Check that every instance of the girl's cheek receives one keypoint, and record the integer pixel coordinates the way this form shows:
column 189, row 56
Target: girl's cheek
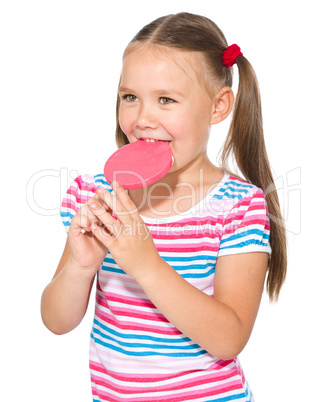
column 125, row 125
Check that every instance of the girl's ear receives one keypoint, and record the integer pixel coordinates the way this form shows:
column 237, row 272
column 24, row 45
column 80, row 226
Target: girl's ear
column 223, row 105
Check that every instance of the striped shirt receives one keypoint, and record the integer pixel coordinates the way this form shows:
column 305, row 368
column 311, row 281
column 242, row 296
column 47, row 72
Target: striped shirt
column 136, row 354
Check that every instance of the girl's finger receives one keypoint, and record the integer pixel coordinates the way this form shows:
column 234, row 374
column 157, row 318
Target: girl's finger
column 122, row 204
column 83, row 219
column 99, row 200
column 108, row 222
column 115, row 204
column 103, row 235
column 125, row 199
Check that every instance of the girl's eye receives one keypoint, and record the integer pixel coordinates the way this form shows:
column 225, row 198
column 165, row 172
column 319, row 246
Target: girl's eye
column 166, row 101
column 130, row 98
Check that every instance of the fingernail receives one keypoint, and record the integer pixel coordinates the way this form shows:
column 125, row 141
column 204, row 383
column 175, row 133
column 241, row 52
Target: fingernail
column 93, row 205
column 101, row 190
column 116, row 184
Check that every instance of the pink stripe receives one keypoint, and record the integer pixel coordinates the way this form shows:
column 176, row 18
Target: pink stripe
column 251, row 200
column 124, row 312
column 113, row 297
column 80, row 198
column 234, row 178
column 155, row 378
column 179, row 397
column 183, row 236
column 203, row 220
column 125, row 325
column 246, row 223
column 69, row 204
column 240, row 214
column 130, row 388
column 188, row 248
column 84, row 185
column 152, row 381
column 202, row 246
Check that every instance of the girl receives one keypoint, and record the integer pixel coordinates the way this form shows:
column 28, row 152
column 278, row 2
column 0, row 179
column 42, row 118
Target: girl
column 180, row 264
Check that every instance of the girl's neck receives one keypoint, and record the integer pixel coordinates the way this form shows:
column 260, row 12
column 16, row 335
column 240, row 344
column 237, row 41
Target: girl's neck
column 178, row 191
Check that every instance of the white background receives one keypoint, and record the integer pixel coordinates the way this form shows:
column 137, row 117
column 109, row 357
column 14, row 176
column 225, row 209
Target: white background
column 59, row 70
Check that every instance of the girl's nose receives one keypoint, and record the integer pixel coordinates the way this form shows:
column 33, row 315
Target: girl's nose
column 146, row 119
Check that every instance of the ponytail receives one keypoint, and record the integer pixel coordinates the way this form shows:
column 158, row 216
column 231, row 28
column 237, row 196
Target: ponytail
column 245, row 140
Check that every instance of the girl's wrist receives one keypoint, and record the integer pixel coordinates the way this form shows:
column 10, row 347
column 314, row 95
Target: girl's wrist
column 79, row 271
column 154, row 274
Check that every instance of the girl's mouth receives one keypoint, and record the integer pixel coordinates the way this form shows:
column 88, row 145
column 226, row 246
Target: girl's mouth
column 152, row 140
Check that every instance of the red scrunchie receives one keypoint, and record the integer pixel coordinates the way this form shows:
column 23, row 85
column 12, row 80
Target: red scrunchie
column 231, row 54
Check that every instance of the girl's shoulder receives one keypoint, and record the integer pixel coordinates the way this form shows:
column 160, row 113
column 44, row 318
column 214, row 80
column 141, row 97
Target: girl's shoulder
column 244, row 217
column 89, row 183
column 235, row 189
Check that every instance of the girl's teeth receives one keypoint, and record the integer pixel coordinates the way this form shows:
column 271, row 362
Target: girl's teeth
column 151, row 140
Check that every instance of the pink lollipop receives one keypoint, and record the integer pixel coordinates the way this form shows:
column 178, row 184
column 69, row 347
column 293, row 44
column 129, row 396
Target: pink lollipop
column 139, row 164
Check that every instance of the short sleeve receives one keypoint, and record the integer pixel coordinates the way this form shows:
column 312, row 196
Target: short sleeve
column 246, row 227
column 83, row 188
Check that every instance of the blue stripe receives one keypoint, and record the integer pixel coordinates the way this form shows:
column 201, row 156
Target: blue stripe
column 227, row 195
column 130, row 353
column 204, row 275
column 113, row 269
column 232, row 397
column 246, row 243
column 143, row 337
column 246, row 233
column 230, row 192
column 66, row 215
column 236, row 190
column 144, row 345
column 101, row 180
column 188, row 267
column 110, row 260
column 239, row 184
column 178, row 269
column 100, row 177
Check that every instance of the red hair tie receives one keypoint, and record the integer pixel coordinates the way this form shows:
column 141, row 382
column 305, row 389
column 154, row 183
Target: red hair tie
column 230, row 55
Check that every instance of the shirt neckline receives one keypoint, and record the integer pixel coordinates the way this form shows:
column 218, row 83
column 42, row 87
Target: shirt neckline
column 186, row 213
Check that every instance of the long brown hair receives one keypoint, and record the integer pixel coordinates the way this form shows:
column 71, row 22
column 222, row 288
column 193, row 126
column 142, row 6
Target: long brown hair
column 245, row 139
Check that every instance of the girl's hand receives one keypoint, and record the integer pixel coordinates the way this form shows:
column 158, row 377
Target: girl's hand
column 127, row 237
column 87, row 251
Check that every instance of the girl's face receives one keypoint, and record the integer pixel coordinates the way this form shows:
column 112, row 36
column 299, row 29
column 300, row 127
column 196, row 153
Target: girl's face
column 162, row 99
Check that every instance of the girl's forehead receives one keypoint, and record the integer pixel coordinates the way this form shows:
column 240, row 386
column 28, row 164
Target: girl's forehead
column 163, row 60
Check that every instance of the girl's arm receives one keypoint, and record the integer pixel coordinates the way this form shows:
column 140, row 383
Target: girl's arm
column 221, row 324
column 65, row 300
